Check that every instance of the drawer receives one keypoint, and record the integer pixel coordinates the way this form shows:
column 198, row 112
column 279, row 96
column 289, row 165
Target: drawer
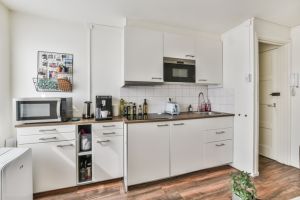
column 218, row 153
column 41, row 130
column 107, row 132
column 108, row 126
column 218, row 135
column 52, row 137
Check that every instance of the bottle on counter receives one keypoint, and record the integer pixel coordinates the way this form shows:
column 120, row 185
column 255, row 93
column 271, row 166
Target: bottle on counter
column 122, row 105
column 208, row 106
column 190, row 108
column 145, row 107
column 134, row 111
column 140, row 112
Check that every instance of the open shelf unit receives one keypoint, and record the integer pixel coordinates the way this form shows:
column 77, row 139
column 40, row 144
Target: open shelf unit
column 84, row 154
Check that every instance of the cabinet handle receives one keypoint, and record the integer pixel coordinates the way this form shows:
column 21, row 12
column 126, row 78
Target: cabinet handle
column 202, row 79
column 50, row 138
column 102, row 141
column 156, row 78
column 108, row 126
column 220, row 132
column 179, row 124
column 47, row 130
column 111, row 133
column 220, row 145
column 191, row 56
column 66, row 145
column 162, row 125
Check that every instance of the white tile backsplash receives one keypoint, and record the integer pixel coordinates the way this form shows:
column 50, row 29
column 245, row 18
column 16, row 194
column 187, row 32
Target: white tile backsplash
column 222, row 99
column 157, row 96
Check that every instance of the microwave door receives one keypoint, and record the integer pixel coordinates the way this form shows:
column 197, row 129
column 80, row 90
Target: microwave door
column 179, row 73
column 38, row 111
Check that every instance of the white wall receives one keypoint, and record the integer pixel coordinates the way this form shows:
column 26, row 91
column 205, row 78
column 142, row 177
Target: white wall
column 5, row 99
column 295, row 137
column 31, row 34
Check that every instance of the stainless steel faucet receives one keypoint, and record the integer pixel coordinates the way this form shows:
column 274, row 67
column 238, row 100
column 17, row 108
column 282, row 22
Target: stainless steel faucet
column 199, row 98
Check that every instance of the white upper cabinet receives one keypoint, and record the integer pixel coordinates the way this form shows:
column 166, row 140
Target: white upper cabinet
column 179, row 46
column 143, row 55
column 209, row 67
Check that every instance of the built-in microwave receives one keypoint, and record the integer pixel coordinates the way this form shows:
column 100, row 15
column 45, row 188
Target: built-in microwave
column 36, row 110
column 179, row 70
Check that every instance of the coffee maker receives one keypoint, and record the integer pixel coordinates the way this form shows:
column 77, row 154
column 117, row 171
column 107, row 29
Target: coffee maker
column 103, row 108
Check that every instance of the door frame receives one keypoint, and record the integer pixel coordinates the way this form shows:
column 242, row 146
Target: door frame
column 257, row 40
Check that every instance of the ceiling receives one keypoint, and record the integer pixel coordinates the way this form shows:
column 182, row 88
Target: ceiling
column 214, row 16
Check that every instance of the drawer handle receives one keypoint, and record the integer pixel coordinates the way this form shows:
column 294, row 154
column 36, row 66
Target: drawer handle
column 220, row 132
column 162, row 125
column 156, row 78
column 47, row 130
column 179, row 124
column 50, row 138
column 103, row 141
column 202, row 79
column 111, row 133
column 191, row 56
column 220, row 145
column 65, row 145
column 108, row 126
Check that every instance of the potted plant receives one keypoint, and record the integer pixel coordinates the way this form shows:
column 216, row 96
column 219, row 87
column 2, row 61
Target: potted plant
column 242, row 186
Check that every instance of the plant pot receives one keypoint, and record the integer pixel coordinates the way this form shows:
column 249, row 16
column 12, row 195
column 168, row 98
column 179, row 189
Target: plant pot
column 235, row 197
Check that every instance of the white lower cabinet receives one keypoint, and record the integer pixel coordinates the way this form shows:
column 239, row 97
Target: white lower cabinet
column 186, row 147
column 54, row 165
column 218, row 153
column 148, row 152
column 108, row 157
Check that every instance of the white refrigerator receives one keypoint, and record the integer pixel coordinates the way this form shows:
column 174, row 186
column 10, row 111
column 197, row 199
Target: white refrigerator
column 16, row 174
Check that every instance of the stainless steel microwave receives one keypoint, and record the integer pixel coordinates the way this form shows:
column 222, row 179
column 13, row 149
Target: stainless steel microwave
column 36, row 110
column 179, row 70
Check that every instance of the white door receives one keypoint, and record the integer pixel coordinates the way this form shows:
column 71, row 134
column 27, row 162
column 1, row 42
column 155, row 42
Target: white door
column 54, row 165
column 179, row 46
column 186, row 149
column 143, row 55
column 267, row 103
column 209, row 60
column 148, row 152
column 238, row 69
column 108, row 158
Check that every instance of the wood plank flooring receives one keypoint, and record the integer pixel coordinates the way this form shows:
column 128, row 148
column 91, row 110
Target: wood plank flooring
column 276, row 181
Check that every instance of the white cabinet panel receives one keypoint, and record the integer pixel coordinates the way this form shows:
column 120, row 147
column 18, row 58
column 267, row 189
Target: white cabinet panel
column 209, row 60
column 54, row 165
column 143, row 55
column 108, row 157
column 219, row 134
column 179, row 46
column 218, row 153
column 41, row 130
column 148, row 152
column 186, row 147
column 27, row 139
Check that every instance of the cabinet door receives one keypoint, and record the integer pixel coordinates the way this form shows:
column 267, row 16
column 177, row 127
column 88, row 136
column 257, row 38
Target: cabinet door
column 218, row 153
column 54, row 165
column 108, row 157
column 186, row 147
column 179, row 46
column 209, row 67
column 148, row 152
column 143, row 55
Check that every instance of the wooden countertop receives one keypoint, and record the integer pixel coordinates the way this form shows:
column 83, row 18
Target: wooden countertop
column 151, row 118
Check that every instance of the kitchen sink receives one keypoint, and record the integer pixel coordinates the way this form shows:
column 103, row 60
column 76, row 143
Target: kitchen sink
column 208, row 113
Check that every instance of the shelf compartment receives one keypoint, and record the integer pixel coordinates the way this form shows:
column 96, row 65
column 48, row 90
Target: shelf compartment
column 85, row 138
column 85, row 168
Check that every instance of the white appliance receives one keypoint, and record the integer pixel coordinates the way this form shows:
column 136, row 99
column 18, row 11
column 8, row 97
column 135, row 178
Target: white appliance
column 16, row 174
column 172, row 108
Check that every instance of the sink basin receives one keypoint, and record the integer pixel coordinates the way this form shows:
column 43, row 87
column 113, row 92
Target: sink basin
column 208, row 113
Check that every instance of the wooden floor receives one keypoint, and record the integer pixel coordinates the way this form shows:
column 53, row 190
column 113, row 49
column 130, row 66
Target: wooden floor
column 276, row 181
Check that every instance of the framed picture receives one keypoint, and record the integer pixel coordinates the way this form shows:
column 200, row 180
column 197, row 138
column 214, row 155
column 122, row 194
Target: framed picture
column 54, row 72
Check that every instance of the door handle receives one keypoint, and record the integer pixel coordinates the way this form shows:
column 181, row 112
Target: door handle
column 156, row 78
column 48, row 130
column 108, row 126
column 272, row 105
column 220, row 145
column 111, row 133
column 275, row 94
column 162, row 125
column 220, row 132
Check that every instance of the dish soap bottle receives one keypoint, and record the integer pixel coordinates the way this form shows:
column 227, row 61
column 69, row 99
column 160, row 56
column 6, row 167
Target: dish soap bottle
column 145, row 107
